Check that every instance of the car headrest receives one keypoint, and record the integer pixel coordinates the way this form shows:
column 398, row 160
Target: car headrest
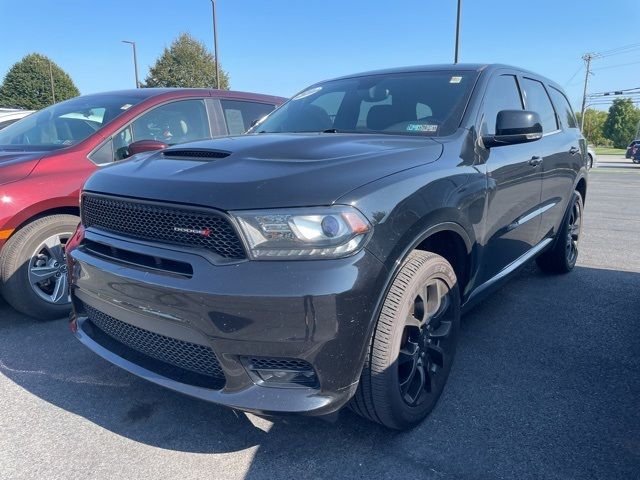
column 313, row 119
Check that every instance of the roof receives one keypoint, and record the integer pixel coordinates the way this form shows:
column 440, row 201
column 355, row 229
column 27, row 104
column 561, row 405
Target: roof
column 145, row 93
column 471, row 67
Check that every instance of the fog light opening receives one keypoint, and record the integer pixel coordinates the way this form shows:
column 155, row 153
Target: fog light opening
column 281, row 372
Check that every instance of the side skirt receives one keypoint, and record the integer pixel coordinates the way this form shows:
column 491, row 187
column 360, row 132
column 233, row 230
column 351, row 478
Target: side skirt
column 498, row 279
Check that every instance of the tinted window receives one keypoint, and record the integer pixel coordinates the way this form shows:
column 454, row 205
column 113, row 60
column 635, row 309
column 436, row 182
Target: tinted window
column 240, row 114
column 330, row 103
column 502, row 94
column 536, row 99
column 103, row 155
column 175, row 122
column 6, row 123
column 66, row 123
column 121, row 141
column 563, row 108
column 417, row 103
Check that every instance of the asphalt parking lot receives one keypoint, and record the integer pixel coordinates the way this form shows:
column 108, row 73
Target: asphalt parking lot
column 546, row 385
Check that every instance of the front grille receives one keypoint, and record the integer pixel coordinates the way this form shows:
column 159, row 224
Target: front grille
column 179, row 353
column 180, row 226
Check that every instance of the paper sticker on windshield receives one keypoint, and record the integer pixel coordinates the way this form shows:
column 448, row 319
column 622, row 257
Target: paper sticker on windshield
column 125, row 106
column 306, row 93
column 455, row 80
column 419, row 127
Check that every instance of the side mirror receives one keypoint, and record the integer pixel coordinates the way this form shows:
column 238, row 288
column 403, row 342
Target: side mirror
column 146, row 146
column 513, row 127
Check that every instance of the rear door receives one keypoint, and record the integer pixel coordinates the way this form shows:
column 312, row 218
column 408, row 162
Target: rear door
column 514, row 184
column 562, row 150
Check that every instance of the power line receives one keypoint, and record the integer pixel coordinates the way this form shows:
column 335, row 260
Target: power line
column 617, row 50
column 574, row 75
column 616, row 92
column 615, row 66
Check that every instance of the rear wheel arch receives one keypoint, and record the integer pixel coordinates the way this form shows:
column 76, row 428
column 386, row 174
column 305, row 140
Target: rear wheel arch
column 581, row 187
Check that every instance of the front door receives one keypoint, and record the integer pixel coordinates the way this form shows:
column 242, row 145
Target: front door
column 514, row 180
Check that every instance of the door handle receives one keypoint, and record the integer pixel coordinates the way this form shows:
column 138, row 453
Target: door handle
column 535, row 161
column 574, row 150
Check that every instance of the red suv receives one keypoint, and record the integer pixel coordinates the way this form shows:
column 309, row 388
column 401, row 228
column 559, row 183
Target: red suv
column 46, row 157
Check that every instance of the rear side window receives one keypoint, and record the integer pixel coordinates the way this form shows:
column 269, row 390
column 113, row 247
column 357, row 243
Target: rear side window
column 563, row 108
column 240, row 114
column 502, row 94
column 536, row 99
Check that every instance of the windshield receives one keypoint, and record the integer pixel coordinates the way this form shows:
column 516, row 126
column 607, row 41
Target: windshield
column 420, row 103
column 65, row 123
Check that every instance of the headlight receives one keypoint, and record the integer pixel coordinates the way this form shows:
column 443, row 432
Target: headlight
column 303, row 233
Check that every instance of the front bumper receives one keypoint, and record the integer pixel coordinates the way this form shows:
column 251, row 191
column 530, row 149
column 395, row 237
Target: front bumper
column 320, row 312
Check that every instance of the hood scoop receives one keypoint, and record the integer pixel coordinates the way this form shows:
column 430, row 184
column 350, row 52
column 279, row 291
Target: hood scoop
column 190, row 153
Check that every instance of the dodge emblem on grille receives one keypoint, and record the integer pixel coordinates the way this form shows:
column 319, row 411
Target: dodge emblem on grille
column 205, row 232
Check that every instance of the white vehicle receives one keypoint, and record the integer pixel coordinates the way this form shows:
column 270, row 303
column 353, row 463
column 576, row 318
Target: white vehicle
column 591, row 157
column 11, row 115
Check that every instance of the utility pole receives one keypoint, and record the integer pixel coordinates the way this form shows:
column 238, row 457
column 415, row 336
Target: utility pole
column 587, row 60
column 215, row 43
column 53, row 89
column 135, row 60
column 455, row 60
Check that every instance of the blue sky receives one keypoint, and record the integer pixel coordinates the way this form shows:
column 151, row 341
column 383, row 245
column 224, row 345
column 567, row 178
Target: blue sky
column 280, row 46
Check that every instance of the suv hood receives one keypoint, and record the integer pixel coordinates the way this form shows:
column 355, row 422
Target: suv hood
column 17, row 165
column 265, row 170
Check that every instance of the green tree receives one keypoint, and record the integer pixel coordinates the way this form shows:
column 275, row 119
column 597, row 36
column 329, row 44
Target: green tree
column 187, row 64
column 594, row 127
column 28, row 84
column 622, row 122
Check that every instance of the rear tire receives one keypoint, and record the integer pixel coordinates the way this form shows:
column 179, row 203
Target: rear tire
column 413, row 345
column 33, row 269
column 562, row 257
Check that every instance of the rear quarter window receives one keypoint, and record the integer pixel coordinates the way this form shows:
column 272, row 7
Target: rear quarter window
column 563, row 108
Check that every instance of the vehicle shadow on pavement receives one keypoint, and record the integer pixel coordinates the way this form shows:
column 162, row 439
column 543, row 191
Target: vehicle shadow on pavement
column 545, row 383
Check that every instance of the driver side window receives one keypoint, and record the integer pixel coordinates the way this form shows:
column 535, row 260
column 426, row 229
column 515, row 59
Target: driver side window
column 502, row 94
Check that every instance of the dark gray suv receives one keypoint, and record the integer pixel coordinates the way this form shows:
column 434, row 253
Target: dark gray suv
column 325, row 258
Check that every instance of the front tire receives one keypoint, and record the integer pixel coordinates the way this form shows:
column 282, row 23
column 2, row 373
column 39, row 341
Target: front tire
column 413, row 344
column 33, row 267
column 562, row 257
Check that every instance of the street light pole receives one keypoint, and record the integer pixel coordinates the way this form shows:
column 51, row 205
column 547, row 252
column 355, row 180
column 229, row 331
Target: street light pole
column 53, row 89
column 215, row 43
column 457, row 31
column 135, row 60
